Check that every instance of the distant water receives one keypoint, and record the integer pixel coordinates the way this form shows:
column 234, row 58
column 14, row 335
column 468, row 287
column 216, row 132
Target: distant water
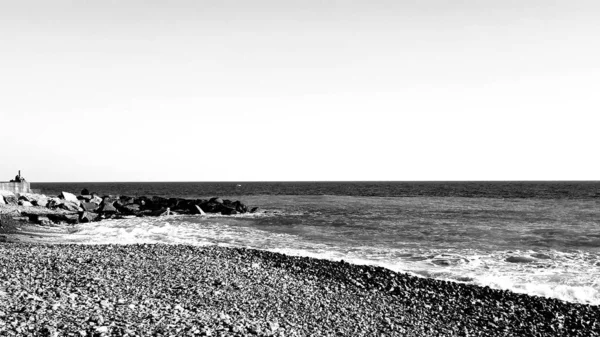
column 539, row 238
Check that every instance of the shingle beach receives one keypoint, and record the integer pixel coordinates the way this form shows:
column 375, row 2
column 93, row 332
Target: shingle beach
column 177, row 290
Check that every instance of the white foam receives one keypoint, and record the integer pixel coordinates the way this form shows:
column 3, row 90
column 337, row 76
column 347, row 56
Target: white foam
column 570, row 276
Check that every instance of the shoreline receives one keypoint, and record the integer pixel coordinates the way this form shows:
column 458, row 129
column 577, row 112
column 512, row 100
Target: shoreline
column 142, row 289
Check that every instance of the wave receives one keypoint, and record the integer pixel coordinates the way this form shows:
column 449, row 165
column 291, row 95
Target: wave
column 571, row 276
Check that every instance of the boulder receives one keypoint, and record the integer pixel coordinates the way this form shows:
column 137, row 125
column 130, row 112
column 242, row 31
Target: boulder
column 173, row 203
column 85, row 197
column 216, row 200
column 131, row 208
column 25, row 203
column 85, row 217
column 89, row 206
column 40, row 219
column 69, row 197
column 158, row 203
column 54, row 202
column 107, row 206
column 70, row 206
column 68, row 218
column 241, row 208
column 228, row 211
column 36, row 199
column 96, row 199
column 211, row 207
column 127, row 200
column 40, row 202
column 85, row 191
column 254, row 210
column 10, row 199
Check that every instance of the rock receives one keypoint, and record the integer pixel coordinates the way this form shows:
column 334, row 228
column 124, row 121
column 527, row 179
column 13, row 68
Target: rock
column 54, row 202
column 216, row 200
column 70, row 206
column 25, row 203
column 211, row 207
column 89, row 206
column 40, row 219
column 254, row 209
column 96, row 199
column 68, row 218
column 85, row 217
column 197, row 210
column 107, row 207
column 85, row 198
column 85, row 191
column 102, row 329
column 40, row 202
column 3, row 239
column 35, row 199
column 2, row 202
column 69, row 197
column 239, row 207
column 228, row 211
column 9, row 197
column 131, row 208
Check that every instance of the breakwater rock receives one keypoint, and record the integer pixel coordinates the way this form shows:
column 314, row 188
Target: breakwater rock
column 70, row 208
column 152, row 290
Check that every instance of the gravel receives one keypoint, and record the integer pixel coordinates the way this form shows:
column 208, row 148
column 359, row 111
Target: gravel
column 178, row 290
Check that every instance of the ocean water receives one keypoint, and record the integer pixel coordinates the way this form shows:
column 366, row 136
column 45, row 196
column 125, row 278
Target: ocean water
column 539, row 238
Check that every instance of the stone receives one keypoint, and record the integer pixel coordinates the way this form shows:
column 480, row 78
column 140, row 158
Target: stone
column 85, row 197
column 10, row 199
column 240, row 207
column 96, row 199
column 40, row 219
column 70, row 206
column 25, row 203
column 197, row 210
column 68, row 218
column 89, row 206
column 2, row 202
column 85, row 217
column 107, row 207
column 216, row 200
column 85, row 191
column 40, row 202
column 35, row 199
column 228, row 211
column 131, row 208
column 254, row 210
column 69, row 197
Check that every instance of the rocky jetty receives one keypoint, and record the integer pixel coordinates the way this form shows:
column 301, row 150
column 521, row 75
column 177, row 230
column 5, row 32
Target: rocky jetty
column 175, row 290
column 87, row 207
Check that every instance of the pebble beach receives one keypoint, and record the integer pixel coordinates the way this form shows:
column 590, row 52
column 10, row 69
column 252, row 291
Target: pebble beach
column 180, row 290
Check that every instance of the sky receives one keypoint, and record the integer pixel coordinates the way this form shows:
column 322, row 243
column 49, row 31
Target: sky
column 292, row 90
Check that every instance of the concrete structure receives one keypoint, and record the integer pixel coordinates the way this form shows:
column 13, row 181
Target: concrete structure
column 22, row 187
column 18, row 185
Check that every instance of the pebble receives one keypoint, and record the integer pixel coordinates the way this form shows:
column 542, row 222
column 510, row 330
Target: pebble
column 146, row 290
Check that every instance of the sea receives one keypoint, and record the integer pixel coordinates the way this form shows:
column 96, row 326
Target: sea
column 538, row 238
